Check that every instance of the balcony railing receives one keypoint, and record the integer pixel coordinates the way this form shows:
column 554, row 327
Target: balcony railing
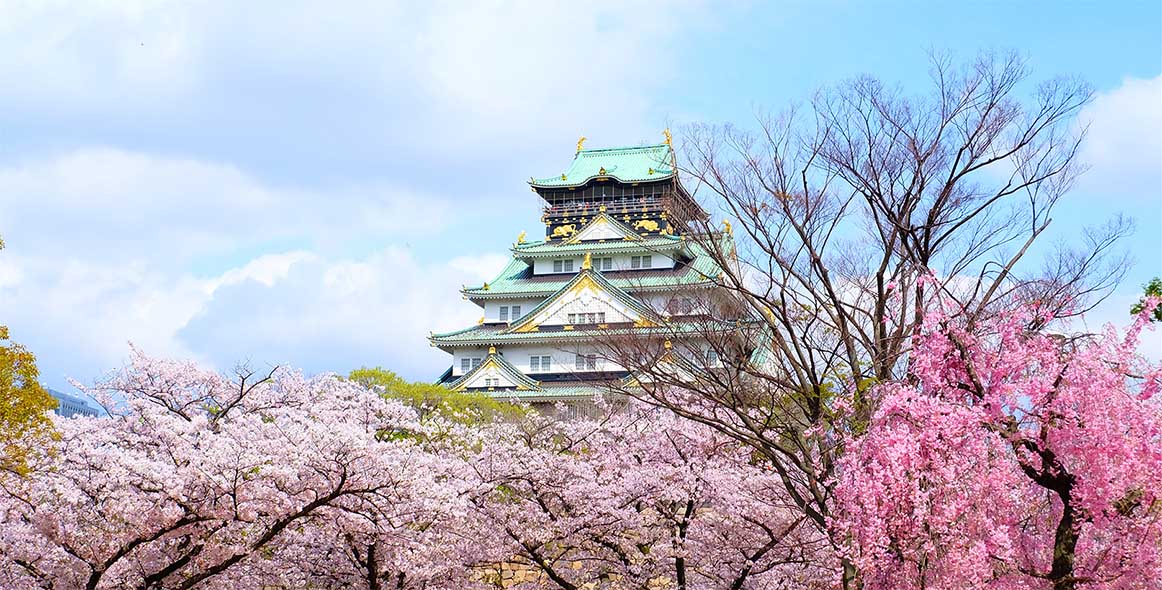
column 611, row 207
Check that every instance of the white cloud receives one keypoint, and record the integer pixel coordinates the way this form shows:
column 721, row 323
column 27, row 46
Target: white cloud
column 467, row 83
column 1124, row 143
column 108, row 204
column 266, row 269
column 209, row 180
column 297, row 308
column 107, row 246
column 340, row 314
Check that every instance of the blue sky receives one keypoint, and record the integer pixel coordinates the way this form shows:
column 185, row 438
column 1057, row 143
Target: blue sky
column 310, row 184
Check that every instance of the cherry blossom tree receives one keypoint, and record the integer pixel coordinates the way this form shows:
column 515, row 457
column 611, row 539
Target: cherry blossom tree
column 1013, row 459
column 641, row 497
column 199, row 480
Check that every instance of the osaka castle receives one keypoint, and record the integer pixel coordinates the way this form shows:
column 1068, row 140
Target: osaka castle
column 615, row 261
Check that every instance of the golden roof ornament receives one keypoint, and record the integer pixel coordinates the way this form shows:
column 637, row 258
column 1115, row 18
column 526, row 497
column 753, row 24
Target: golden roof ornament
column 581, row 143
column 651, row 171
column 669, row 138
column 491, row 350
column 602, row 171
column 485, row 287
column 480, row 321
column 520, row 238
column 563, row 177
column 588, row 262
column 602, row 209
column 726, row 226
column 668, row 345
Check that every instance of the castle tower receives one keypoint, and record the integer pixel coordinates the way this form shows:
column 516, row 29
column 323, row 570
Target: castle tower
column 614, row 260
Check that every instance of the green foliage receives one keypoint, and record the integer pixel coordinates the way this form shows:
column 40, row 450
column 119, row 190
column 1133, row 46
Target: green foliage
column 431, row 400
column 24, row 424
column 1151, row 289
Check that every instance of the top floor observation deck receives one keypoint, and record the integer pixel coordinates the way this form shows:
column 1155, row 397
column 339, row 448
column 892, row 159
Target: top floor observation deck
column 621, row 181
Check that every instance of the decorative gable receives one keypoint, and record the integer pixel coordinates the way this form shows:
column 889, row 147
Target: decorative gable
column 591, row 294
column 603, row 227
column 492, row 374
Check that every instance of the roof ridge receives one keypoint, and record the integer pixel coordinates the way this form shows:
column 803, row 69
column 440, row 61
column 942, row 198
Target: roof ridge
column 625, row 147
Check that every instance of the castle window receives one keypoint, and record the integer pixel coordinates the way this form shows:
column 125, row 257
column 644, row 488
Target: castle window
column 603, row 263
column 568, row 265
column 711, row 357
column 572, row 318
column 467, row 364
column 558, row 266
column 540, row 363
column 504, row 313
column 641, row 261
column 515, row 312
column 586, row 362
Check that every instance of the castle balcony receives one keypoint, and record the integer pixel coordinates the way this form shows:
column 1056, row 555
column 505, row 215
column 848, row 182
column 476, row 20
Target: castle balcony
column 567, row 209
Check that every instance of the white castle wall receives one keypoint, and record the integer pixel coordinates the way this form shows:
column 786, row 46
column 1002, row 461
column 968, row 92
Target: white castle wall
column 544, row 266
column 564, row 356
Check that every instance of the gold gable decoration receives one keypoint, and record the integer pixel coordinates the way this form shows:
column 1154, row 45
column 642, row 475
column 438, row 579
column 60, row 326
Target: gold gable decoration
column 587, row 263
column 580, row 146
column 564, row 231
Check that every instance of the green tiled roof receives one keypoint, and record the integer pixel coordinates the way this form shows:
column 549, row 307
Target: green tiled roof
column 626, row 164
column 550, row 392
column 568, row 390
column 542, row 249
column 517, row 279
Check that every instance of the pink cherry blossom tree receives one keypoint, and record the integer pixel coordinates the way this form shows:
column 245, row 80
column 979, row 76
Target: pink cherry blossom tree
column 199, row 480
column 641, row 496
column 1013, row 459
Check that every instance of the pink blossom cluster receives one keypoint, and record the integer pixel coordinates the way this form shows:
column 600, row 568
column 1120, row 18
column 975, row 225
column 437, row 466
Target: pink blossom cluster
column 1008, row 459
column 639, row 496
column 1015, row 459
column 198, row 480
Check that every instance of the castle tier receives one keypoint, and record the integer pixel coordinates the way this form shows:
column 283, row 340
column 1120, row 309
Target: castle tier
column 615, row 261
